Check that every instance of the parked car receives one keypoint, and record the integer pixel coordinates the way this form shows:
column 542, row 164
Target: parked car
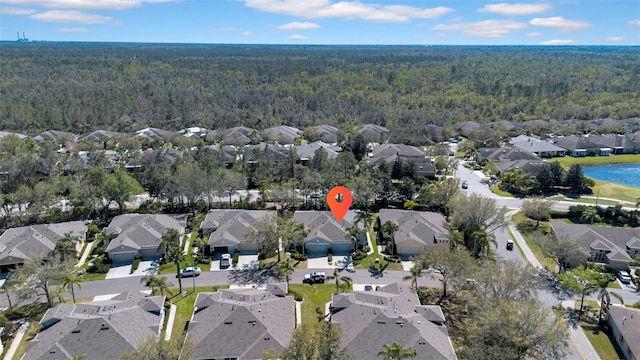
column 225, row 261
column 465, row 184
column 190, row 271
column 510, row 245
column 368, row 288
column 314, row 277
column 624, row 277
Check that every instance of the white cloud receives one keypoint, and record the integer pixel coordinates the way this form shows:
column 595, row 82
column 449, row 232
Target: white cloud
column 560, row 23
column 614, row 39
column 418, row 36
column 72, row 30
column 7, row 10
column 71, row 16
column 559, row 42
column 515, row 9
column 246, row 33
column 85, row 4
column 346, row 10
column 298, row 37
column 298, row 26
column 484, row 29
column 634, row 22
column 534, row 34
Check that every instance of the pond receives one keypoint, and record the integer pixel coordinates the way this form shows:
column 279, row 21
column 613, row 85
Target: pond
column 626, row 174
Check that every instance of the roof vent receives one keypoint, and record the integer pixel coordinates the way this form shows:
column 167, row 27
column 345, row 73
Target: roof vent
column 228, row 322
column 104, row 326
column 382, row 322
column 75, row 331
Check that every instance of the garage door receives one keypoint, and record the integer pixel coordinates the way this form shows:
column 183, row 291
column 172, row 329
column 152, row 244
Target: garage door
column 248, row 248
column 409, row 250
column 342, row 249
column 150, row 254
column 317, row 250
column 122, row 257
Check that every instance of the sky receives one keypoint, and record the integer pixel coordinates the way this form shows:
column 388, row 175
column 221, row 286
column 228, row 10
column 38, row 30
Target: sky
column 377, row 22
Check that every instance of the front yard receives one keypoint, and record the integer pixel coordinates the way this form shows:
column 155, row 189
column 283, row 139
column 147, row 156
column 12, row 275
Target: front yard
column 184, row 306
column 315, row 296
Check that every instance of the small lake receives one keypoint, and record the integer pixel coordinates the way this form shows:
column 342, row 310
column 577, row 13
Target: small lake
column 627, row 174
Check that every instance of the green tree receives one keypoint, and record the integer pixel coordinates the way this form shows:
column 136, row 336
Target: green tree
column 155, row 348
column 341, row 281
column 313, row 341
column 566, row 252
column 582, row 281
column 396, row 351
column 156, row 283
column 537, row 209
column 36, row 276
column 66, row 246
column 576, row 181
column 120, row 188
column 590, row 214
column 265, row 234
column 285, row 268
column 69, row 281
column 452, row 265
column 414, row 273
column 176, row 256
column 388, row 232
column 169, row 240
column 604, row 295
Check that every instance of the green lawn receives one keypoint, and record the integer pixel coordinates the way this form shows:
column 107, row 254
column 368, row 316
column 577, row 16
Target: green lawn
column 185, row 306
column 616, row 191
column 600, row 341
column 596, row 160
column 34, row 313
column 496, row 190
column 314, row 296
column 591, row 201
column 547, row 262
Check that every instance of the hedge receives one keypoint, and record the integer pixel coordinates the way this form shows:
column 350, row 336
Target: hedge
column 135, row 264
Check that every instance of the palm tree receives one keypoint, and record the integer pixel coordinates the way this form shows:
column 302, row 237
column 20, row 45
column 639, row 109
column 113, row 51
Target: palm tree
column 59, row 294
column 395, row 351
column 340, row 280
column 176, row 256
column 285, row 268
column 299, row 234
column 68, row 282
column 389, row 227
column 65, row 246
column 79, row 357
column 202, row 243
column 479, row 242
column 590, row 214
column 168, row 240
column 159, row 283
column 604, row 295
column 416, row 272
column 353, row 233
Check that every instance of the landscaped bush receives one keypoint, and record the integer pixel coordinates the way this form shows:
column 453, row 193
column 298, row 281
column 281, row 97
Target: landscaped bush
column 204, row 260
column 99, row 268
column 330, row 258
column 358, row 256
column 298, row 256
column 393, row 259
column 234, row 259
column 296, row 296
column 135, row 264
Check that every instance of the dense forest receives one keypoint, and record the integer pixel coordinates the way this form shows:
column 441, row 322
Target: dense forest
column 81, row 87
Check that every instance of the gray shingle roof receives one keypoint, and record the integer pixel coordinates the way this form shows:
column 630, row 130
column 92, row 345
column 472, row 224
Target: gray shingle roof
column 326, row 133
column 421, row 226
column 100, row 329
column 134, row 231
column 506, row 153
column 236, row 136
column 533, row 145
column 232, row 226
column 606, row 238
column 155, row 134
column 35, row 241
column 323, row 225
column 277, row 153
column 576, row 143
column 98, row 136
column 394, row 314
column 283, row 134
column 53, row 135
column 371, row 129
column 308, row 151
column 631, row 328
column 240, row 323
column 531, row 167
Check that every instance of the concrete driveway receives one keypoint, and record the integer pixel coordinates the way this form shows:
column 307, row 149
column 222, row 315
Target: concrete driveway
column 247, row 262
column 123, row 271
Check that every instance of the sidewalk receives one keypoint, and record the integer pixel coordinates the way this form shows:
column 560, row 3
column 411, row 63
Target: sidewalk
column 582, row 344
column 85, row 254
column 522, row 244
column 16, row 341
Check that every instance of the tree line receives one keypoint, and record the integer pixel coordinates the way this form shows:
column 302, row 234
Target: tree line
column 124, row 87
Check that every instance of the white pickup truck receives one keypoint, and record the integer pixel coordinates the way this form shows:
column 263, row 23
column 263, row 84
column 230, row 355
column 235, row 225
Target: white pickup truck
column 314, row 277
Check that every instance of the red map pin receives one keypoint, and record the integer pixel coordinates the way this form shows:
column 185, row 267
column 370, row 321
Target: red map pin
column 339, row 200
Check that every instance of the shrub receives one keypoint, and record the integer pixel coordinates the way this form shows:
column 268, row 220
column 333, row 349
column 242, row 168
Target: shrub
column 204, row 260
column 234, row 259
column 358, row 256
column 135, row 264
column 299, row 257
column 330, row 258
column 99, row 268
column 393, row 259
column 330, row 251
column 296, row 296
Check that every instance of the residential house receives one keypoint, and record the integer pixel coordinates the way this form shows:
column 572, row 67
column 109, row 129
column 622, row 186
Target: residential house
column 434, row 132
column 58, row 136
column 139, row 236
column 325, row 232
column 612, row 246
column 393, row 314
column 504, row 154
column 620, row 144
column 578, row 146
column 227, row 230
column 325, row 133
column 237, row 136
column 282, row 134
column 4, row 133
column 417, row 230
column 465, row 128
column 155, row 135
column 389, row 153
column 226, row 153
column 267, row 152
column 624, row 324
column 194, row 132
column 529, row 167
column 101, row 330
column 37, row 241
column 372, row 132
column 102, row 138
column 306, row 152
column 509, row 127
column 241, row 323
column 541, row 148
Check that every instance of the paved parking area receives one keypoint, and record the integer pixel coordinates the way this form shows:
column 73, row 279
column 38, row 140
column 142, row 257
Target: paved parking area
column 339, row 261
column 407, row 265
column 318, row 263
column 122, row 271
